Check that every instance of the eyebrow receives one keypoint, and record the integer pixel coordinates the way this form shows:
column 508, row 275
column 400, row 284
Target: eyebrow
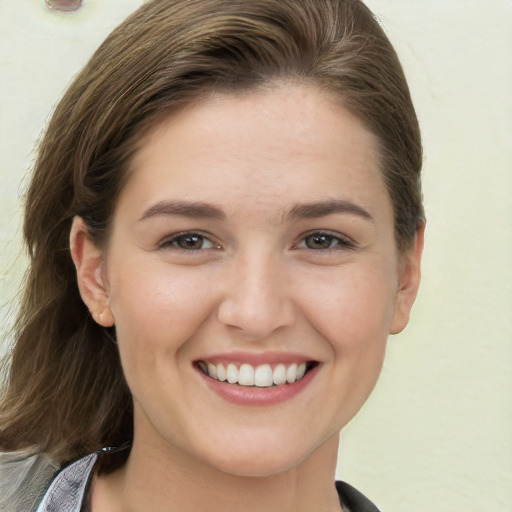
column 193, row 210
column 200, row 210
column 329, row 207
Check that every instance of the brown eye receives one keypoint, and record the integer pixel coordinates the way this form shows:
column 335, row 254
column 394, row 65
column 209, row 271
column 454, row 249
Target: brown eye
column 189, row 242
column 321, row 241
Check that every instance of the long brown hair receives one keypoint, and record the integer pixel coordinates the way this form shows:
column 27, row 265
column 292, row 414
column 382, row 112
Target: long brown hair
column 66, row 393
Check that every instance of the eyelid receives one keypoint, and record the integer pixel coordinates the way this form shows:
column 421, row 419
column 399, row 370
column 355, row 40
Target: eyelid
column 168, row 241
column 345, row 242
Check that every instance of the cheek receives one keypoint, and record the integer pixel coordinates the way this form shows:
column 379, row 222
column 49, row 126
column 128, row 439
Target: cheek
column 353, row 316
column 347, row 310
column 156, row 309
column 157, row 313
column 352, row 310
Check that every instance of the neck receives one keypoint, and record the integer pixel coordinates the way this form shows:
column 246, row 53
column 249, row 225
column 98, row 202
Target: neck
column 163, row 482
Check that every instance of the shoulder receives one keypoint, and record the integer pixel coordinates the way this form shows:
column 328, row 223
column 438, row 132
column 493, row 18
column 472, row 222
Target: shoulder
column 353, row 500
column 38, row 483
column 68, row 489
column 24, row 478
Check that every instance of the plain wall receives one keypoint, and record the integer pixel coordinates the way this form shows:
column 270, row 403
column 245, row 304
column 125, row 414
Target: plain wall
column 437, row 432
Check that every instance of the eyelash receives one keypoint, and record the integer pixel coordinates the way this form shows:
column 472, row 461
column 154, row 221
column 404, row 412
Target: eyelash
column 174, row 240
column 336, row 242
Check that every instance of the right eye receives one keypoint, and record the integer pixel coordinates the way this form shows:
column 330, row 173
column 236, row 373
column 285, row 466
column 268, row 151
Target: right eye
column 189, row 242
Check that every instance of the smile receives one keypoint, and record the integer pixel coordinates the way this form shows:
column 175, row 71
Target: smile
column 261, row 376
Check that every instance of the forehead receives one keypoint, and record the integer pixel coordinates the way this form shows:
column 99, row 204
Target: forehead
column 289, row 141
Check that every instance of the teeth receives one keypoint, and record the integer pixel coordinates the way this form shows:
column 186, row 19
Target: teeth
column 291, row 373
column 301, row 370
column 280, row 374
column 212, row 370
column 262, row 376
column 232, row 374
column 246, row 375
column 220, row 373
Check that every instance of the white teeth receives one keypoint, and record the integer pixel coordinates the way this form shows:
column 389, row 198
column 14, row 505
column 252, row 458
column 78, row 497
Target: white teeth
column 291, row 373
column 212, row 370
column 301, row 370
column 232, row 373
column 221, row 373
column 279, row 374
column 263, row 377
column 247, row 375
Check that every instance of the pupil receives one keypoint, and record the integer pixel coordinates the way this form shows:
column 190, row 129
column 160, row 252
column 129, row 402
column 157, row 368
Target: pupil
column 191, row 242
column 319, row 242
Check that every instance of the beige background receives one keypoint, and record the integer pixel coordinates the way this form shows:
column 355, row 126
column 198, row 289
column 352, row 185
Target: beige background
column 437, row 432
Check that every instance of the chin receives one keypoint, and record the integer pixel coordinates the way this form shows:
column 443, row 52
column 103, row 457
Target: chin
column 261, row 456
column 261, row 466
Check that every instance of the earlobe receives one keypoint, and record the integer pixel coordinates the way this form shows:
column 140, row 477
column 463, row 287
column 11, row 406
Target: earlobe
column 409, row 281
column 88, row 260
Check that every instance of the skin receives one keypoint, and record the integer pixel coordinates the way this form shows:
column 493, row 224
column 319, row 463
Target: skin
column 259, row 283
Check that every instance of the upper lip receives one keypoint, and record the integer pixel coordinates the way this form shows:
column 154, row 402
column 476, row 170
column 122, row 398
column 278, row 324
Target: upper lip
column 257, row 358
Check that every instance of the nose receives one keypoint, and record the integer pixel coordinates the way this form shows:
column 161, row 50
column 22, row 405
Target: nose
column 257, row 299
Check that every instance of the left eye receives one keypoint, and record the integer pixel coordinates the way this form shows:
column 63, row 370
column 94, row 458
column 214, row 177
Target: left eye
column 323, row 241
column 190, row 242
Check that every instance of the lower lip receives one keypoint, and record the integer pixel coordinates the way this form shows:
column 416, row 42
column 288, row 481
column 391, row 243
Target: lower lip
column 255, row 396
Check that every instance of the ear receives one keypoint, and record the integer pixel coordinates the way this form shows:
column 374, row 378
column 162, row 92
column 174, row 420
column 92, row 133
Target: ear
column 89, row 264
column 408, row 283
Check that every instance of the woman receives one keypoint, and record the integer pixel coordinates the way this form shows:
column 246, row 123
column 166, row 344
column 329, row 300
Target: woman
column 225, row 224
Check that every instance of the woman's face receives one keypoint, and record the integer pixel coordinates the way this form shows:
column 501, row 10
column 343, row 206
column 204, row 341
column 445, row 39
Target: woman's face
column 254, row 239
